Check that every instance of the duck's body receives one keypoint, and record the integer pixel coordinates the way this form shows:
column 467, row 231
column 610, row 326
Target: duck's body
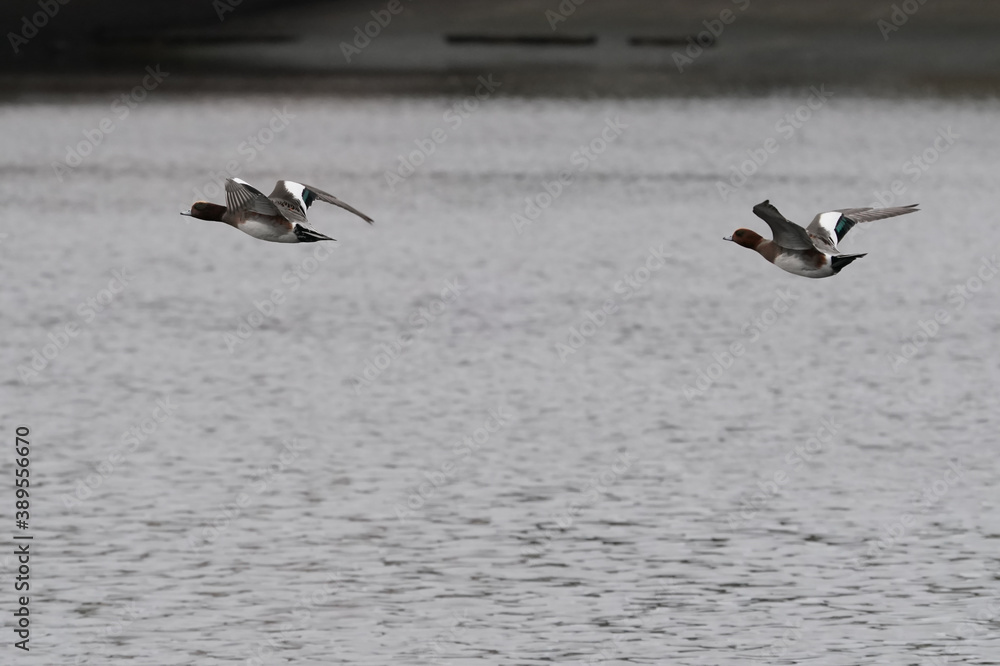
column 813, row 263
column 264, row 227
column 275, row 218
column 811, row 252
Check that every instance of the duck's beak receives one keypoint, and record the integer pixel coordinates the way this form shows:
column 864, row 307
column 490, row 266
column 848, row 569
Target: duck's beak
column 186, row 212
column 728, row 238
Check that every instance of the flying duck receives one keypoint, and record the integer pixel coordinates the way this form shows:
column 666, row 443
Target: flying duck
column 811, row 252
column 278, row 217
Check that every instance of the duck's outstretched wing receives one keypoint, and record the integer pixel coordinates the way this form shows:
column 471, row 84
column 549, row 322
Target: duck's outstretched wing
column 242, row 197
column 296, row 197
column 828, row 229
column 786, row 233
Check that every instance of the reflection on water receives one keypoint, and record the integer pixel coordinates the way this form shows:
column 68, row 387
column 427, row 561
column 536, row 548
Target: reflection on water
column 580, row 457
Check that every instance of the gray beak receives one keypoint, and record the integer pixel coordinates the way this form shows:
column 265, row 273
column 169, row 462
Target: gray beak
column 729, row 238
column 186, row 212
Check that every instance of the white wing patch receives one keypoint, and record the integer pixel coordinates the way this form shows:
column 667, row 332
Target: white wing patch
column 288, row 198
column 829, row 221
column 828, row 229
column 295, row 190
column 823, row 232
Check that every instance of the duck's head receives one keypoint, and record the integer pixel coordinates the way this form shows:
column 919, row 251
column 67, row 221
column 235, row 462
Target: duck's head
column 206, row 211
column 745, row 237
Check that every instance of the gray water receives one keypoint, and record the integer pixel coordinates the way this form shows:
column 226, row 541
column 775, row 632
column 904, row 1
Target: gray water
column 486, row 495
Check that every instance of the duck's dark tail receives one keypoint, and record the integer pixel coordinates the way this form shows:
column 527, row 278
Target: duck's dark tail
column 839, row 261
column 307, row 235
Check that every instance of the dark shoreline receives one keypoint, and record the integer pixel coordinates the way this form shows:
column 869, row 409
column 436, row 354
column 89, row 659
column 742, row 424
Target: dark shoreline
column 528, row 84
column 604, row 48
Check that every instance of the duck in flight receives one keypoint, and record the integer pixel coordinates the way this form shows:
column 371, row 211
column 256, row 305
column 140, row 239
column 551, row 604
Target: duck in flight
column 278, row 218
column 811, row 252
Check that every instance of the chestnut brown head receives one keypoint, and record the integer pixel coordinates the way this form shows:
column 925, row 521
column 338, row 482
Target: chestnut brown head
column 206, row 211
column 745, row 237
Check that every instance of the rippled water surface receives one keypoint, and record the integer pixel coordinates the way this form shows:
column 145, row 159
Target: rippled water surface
column 615, row 440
